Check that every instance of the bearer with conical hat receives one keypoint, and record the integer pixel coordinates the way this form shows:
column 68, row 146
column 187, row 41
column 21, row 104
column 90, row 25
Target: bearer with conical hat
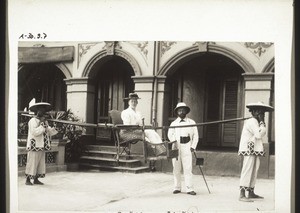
column 251, row 147
column 38, row 142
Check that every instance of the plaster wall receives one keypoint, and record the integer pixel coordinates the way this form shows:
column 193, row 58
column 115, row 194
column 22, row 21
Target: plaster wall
column 257, row 60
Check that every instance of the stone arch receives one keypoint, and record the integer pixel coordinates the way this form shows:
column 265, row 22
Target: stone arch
column 62, row 67
column 64, row 70
column 213, row 48
column 117, row 52
column 20, row 67
column 269, row 66
column 43, row 81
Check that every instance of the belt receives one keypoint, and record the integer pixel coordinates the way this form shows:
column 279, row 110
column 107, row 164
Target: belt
column 185, row 139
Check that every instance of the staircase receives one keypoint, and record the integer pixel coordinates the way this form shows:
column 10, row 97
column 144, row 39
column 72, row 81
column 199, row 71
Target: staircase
column 104, row 158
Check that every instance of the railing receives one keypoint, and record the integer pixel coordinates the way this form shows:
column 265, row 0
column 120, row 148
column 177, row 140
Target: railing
column 22, row 125
column 54, row 157
column 50, row 158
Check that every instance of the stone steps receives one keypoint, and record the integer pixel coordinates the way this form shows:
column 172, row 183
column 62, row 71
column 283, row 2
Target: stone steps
column 139, row 169
column 104, row 158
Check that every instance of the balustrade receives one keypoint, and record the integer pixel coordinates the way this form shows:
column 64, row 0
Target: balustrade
column 55, row 158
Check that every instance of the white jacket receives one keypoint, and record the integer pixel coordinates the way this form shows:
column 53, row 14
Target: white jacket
column 252, row 137
column 174, row 134
column 35, row 139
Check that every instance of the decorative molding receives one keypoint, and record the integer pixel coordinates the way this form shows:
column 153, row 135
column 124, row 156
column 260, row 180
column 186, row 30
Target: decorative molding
column 165, row 46
column 64, row 69
column 118, row 52
column 71, row 81
column 161, row 79
column 258, row 76
column 110, row 47
column 258, row 47
column 131, row 61
column 214, row 48
column 143, row 79
column 83, row 49
column 203, row 45
column 20, row 66
column 142, row 46
column 269, row 68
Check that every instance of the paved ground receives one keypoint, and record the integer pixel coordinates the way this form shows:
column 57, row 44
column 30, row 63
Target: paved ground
column 96, row 191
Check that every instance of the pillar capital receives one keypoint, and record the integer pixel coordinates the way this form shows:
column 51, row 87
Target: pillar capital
column 83, row 80
column 258, row 76
column 143, row 79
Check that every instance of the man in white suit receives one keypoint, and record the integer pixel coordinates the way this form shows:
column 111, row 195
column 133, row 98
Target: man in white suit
column 187, row 140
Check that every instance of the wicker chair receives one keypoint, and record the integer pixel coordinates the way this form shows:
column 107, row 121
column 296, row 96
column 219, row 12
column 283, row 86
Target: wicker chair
column 149, row 150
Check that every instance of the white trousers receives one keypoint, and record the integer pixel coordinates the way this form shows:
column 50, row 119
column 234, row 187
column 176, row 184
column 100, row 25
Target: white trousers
column 152, row 136
column 249, row 171
column 36, row 165
column 184, row 162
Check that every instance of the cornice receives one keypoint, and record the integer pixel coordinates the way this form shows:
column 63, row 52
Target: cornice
column 258, row 76
column 83, row 80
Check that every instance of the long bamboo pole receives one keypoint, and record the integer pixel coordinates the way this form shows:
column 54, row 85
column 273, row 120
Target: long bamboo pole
column 109, row 125
column 75, row 123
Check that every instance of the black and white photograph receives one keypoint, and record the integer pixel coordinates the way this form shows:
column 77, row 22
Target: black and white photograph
column 123, row 122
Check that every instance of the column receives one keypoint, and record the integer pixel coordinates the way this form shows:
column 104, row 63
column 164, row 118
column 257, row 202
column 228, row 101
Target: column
column 144, row 89
column 161, row 110
column 80, row 98
column 258, row 88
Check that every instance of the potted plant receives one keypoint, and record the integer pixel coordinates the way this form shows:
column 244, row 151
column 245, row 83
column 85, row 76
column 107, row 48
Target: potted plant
column 73, row 133
column 22, row 129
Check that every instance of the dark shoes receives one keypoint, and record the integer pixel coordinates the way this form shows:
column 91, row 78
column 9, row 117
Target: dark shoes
column 192, row 193
column 36, row 181
column 254, row 196
column 251, row 195
column 28, row 183
column 243, row 197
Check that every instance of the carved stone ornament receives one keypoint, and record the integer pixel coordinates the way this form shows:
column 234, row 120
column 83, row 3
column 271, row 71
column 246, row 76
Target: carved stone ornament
column 110, row 47
column 143, row 47
column 83, row 49
column 165, row 46
column 258, row 47
column 203, row 45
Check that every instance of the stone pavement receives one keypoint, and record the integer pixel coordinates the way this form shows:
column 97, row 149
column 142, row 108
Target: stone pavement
column 98, row 191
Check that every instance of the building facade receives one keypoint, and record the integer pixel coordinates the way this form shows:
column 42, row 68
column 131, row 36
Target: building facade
column 216, row 79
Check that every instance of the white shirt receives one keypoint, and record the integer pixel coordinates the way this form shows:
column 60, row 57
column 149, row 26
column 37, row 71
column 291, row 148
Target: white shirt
column 174, row 134
column 35, row 131
column 131, row 117
column 252, row 131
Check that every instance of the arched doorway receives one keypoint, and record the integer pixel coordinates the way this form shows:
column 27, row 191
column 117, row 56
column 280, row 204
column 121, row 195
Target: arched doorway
column 211, row 84
column 112, row 76
column 44, row 82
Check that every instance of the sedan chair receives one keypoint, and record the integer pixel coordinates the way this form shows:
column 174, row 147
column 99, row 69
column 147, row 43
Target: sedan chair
column 150, row 151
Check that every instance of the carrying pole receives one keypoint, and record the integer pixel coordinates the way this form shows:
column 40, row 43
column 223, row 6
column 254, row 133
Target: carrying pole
column 106, row 125
column 75, row 123
column 202, row 174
